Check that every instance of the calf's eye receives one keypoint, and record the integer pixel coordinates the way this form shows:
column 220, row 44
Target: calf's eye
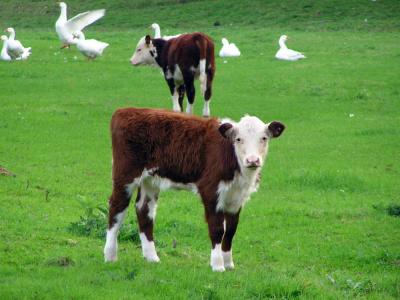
column 138, row 50
column 238, row 140
column 264, row 138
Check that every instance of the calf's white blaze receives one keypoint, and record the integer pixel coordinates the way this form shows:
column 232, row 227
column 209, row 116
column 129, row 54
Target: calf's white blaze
column 142, row 55
column 250, row 140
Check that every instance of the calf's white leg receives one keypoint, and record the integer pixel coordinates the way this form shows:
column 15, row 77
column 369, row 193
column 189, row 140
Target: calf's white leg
column 206, row 108
column 217, row 260
column 111, row 247
column 175, row 100
column 146, row 206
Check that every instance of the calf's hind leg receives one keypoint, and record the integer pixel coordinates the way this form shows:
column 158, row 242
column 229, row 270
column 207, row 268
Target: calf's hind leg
column 190, row 91
column 208, row 92
column 175, row 94
column 146, row 205
column 119, row 202
column 181, row 92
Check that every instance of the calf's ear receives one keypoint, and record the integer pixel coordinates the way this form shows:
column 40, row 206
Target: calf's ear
column 227, row 130
column 275, row 129
column 147, row 39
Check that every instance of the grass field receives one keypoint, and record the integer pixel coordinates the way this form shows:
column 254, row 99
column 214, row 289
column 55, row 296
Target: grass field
column 323, row 224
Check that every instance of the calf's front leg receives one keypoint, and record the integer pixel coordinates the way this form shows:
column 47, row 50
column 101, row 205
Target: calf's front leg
column 215, row 222
column 231, row 222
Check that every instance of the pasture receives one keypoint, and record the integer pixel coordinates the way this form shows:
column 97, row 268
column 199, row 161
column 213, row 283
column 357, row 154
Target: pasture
column 324, row 223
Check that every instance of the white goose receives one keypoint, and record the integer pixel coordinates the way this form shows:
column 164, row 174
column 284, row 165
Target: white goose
column 157, row 33
column 14, row 47
column 90, row 48
column 4, row 54
column 287, row 54
column 228, row 49
column 66, row 28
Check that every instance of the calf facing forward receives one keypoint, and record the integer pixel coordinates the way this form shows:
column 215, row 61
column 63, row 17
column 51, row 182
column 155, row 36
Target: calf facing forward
column 156, row 149
column 182, row 59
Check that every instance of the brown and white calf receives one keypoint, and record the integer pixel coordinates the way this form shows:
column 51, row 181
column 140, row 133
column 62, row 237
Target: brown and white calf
column 182, row 59
column 157, row 149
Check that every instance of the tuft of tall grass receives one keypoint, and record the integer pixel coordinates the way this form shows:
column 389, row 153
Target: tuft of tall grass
column 93, row 222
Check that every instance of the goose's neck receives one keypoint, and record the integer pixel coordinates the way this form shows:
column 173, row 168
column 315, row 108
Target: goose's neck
column 81, row 36
column 282, row 44
column 12, row 35
column 157, row 32
column 4, row 49
column 63, row 14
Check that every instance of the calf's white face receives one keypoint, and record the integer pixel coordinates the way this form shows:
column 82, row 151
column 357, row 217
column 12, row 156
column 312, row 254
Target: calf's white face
column 145, row 52
column 250, row 137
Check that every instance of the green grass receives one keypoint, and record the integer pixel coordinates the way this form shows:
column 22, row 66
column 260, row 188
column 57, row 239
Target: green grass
column 323, row 224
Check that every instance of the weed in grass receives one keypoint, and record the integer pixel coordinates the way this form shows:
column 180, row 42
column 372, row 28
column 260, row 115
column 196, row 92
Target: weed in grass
column 5, row 172
column 63, row 261
column 94, row 222
column 393, row 210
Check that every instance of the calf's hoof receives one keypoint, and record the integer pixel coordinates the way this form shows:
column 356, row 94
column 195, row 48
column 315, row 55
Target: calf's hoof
column 217, row 262
column 110, row 254
column 218, row 268
column 152, row 258
column 228, row 260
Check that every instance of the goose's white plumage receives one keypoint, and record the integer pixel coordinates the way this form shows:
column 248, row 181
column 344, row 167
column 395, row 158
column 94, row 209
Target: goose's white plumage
column 4, row 54
column 90, row 48
column 287, row 54
column 228, row 49
column 14, row 47
column 66, row 28
column 157, row 33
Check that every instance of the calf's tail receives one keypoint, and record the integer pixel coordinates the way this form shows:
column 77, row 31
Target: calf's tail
column 201, row 43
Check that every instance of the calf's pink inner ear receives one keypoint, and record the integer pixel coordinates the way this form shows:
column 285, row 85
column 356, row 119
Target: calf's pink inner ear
column 276, row 128
column 226, row 129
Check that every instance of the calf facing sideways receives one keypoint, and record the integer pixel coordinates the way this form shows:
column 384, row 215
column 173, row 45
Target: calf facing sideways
column 157, row 149
column 182, row 59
